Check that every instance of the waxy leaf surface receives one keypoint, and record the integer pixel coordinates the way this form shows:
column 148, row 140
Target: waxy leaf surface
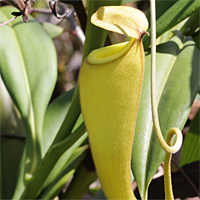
column 177, row 85
column 29, row 71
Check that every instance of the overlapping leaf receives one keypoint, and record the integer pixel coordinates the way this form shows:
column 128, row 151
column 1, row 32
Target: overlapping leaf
column 28, row 68
column 177, row 85
column 61, row 179
column 170, row 14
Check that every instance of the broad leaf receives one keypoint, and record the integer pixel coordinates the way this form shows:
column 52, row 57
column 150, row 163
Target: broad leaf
column 177, row 85
column 29, row 71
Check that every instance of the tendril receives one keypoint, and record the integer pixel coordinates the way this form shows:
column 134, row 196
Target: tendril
column 167, row 145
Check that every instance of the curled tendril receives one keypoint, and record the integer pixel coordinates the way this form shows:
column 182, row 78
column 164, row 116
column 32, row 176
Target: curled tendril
column 167, row 145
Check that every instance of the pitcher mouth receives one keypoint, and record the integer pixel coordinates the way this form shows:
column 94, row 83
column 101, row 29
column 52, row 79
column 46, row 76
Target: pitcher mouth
column 109, row 53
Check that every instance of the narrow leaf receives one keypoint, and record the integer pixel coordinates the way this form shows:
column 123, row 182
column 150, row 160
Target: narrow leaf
column 86, row 174
column 54, row 117
column 48, row 162
column 191, row 146
column 174, row 15
column 62, row 161
column 60, row 181
column 192, row 24
column 11, row 152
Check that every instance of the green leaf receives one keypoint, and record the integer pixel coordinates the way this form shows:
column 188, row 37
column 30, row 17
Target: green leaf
column 197, row 41
column 62, row 161
column 59, row 182
column 191, row 146
column 161, row 7
column 29, row 71
column 174, row 15
column 54, row 117
column 11, row 122
column 12, row 143
column 56, row 187
column 48, row 162
column 11, row 152
column 52, row 29
column 192, row 24
column 20, row 181
column 86, row 175
column 177, row 86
